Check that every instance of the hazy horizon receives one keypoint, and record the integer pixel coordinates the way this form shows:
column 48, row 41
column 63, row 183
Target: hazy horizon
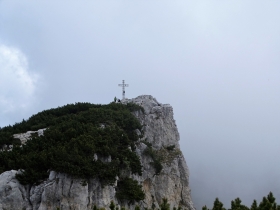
column 216, row 62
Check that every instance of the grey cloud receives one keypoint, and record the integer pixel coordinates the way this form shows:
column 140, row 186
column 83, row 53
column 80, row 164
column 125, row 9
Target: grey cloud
column 217, row 63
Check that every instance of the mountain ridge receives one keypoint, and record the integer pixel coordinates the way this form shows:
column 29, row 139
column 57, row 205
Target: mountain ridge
column 159, row 153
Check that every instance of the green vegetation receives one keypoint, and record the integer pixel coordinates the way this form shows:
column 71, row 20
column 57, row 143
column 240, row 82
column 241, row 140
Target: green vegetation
column 171, row 147
column 53, row 116
column 146, row 142
column 164, row 155
column 129, row 189
column 75, row 134
column 167, row 156
column 156, row 160
column 163, row 206
column 112, row 205
column 267, row 203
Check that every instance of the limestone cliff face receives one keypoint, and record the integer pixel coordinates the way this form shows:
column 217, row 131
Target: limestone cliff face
column 63, row 192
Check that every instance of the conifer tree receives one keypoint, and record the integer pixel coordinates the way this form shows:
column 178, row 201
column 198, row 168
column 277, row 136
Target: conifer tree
column 236, row 205
column 112, row 205
column 165, row 205
column 204, row 208
column 218, row 205
column 254, row 205
column 268, row 203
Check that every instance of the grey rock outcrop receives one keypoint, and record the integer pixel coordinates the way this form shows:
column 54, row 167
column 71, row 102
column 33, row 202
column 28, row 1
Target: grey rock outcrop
column 23, row 137
column 64, row 192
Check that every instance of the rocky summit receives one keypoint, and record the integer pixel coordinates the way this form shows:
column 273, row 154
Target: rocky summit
column 164, row 172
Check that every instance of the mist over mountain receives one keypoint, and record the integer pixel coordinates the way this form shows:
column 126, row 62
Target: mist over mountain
column 216, row 62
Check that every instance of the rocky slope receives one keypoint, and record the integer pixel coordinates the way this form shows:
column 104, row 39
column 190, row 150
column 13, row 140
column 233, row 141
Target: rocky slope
column 64, row 192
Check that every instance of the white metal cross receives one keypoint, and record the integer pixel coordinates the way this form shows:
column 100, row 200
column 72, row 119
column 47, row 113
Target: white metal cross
column 123, row 85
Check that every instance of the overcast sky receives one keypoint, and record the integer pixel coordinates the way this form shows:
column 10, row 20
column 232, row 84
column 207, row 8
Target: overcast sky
column 216, row 62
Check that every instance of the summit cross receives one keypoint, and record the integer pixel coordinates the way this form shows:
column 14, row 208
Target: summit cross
column 123, row 85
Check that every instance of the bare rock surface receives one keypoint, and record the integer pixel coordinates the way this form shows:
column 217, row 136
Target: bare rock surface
column 23, row 137
column 13, row 195
column 64, row 192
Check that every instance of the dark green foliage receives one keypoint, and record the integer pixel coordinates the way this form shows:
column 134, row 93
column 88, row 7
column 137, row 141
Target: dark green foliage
column 134, row 107
column 129, row 190
column 112, row 205
column 170, row 148
column 147, row 143
column 51, row 117
column 267, row 203
column 204, row 208
column 156, row 161
column 254, row 205
column 84, row 182
column 164, row 205
column 236, row 205
column 75, row 133
column 158, row 166
column 218, row 205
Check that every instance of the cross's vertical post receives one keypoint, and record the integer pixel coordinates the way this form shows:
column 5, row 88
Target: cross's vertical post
column 123, row 85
